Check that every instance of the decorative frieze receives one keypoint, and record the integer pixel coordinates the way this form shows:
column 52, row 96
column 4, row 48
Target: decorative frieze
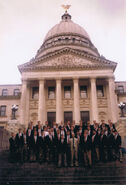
column 34, row 104
column 68, row 103
column 84, row 102
column 51, row 103
column 102, row 102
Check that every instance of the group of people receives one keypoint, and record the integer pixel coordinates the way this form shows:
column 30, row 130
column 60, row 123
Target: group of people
column 66, row 144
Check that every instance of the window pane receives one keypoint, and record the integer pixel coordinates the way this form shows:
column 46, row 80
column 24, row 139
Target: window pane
column 51, row 92
column 35, row 92
column 100, row 91
column 121, row 89
column 67, row 92
column 4, row 92
column 16, row 92
column 3, row 110
column 83, row 91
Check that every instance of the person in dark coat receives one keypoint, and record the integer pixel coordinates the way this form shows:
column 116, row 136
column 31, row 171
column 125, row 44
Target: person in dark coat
column 13, row 148
column 35, row 147
column 62, row 151
column 95, row 147
column 117, row 145
column 86, row 148
column 103, row 146
column 20, row 143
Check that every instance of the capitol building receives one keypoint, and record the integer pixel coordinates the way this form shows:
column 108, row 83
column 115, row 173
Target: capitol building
column 67, row 80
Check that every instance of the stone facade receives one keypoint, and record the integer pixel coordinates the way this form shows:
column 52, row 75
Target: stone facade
column 67, row 79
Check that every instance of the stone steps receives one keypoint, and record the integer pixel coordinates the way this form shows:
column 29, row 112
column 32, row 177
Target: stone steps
column 47, row 174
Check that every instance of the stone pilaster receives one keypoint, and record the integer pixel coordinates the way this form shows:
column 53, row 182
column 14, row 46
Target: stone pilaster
column 76, row 101
column 41, row 102
column 93, row 98
column 23, row 102
column 112, row 100
column 59, row 113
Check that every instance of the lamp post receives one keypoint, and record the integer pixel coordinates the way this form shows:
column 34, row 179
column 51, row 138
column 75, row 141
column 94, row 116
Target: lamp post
column 121, row 106
column 14, row 108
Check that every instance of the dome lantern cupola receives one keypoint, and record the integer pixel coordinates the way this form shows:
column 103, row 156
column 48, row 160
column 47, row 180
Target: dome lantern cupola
column 66, row 17
column 67, row 34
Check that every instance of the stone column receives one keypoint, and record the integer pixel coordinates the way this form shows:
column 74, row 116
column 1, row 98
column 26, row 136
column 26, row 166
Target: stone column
column 41, row 103
column 93, row 99
column 59, row 112
column 76, row 101
column 23, row 102
column 112, row 100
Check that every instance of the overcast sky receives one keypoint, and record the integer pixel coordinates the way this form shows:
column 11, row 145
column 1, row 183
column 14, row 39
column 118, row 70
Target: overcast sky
column 24, row 24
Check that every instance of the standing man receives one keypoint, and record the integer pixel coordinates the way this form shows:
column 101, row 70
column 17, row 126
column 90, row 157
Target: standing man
column 19, row 142
column 74, row 150
column 12, row 147
column 62, row 152
column 86, row 148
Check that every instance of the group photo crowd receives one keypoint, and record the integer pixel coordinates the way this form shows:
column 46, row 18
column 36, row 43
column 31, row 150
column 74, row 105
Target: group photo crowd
column 66, row 144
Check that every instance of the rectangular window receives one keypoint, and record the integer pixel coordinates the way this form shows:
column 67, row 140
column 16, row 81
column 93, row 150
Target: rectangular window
column 121, row 88
column 35, row 92
column 100, row 91
column 51, row 92
column 67, row 92
column 83, row 91
column 16, row 92
column 3, row 110
column 4, row 92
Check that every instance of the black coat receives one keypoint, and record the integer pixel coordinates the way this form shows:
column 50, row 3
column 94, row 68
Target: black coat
column 12, row 144
column 85, row 145
column 117, row 142
column 19, row 141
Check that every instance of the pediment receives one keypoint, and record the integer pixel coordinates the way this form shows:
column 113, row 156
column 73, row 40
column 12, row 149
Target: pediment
column 67, row 60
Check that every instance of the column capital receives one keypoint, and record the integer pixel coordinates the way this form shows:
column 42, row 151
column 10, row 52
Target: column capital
column 93, row 79
column 41, row 80
column 75, row 79
column 24, row 82
column 112, row 78
column 58, row 79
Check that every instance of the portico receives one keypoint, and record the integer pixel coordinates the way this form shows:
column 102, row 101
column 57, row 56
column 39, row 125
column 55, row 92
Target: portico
column 74, row 102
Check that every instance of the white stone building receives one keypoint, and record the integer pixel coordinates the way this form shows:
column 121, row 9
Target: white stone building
column 66, row 80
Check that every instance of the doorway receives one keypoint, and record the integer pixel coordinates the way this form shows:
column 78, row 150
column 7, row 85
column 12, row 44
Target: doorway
column 68, row 116
column 85, row 117
column 51, row 117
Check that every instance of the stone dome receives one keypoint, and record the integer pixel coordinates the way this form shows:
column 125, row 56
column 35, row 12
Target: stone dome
column 66, row 25
column 67, row 34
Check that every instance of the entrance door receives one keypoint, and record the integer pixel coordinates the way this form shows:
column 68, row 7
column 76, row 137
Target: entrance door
column 68, row 116
column 85, row 116
column 51, row 117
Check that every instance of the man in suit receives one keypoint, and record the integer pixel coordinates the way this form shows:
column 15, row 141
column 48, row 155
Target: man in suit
column 51, row 145
column 19, row 142
column 25, row 146
column 95, row 147
column 117, row 146
column 29, row 135
column 103, row 146
column 35, row 147
column 68, row 148
column 86, row 148
column 62, row 152
column 13, row 148
column 110, row 144
column 74, row 149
